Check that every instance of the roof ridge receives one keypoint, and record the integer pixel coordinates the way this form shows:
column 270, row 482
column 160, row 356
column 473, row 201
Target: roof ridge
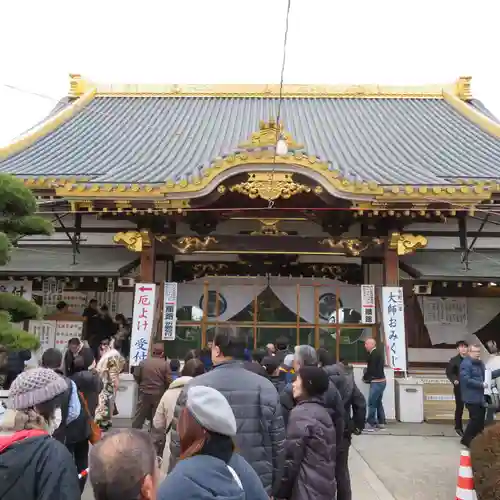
column 459, row 88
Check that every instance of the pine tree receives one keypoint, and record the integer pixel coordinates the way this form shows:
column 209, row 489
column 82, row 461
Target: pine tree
column 17, row 219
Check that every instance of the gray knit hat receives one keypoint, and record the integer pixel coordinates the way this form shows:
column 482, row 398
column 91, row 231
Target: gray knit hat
column 33, row 387
column 211, row 410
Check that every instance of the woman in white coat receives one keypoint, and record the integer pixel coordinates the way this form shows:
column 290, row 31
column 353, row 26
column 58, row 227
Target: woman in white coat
column 162, row 421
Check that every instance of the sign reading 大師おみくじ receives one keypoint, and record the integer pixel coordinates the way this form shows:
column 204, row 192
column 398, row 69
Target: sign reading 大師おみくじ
column 393, row 315
column 142, row 321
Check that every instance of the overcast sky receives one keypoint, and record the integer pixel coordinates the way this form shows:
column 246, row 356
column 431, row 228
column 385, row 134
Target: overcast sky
column 240, row 41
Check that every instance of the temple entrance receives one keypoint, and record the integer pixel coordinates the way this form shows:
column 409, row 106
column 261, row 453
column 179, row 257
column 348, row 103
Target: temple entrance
column 321, row 312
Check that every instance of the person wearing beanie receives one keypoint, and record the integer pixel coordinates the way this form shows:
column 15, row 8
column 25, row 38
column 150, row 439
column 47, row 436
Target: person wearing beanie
column 310, row 443
column 209, row 467
column 34, row 465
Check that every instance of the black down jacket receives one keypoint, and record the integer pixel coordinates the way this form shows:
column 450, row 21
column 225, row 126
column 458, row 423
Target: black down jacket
column 331, row 400
column 310, row 452
column 352, row 398
column 255, row 403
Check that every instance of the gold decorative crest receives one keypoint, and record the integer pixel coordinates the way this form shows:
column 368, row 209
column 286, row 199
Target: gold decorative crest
column 134, row 241
column 190, row 244
column 406, row 243
column 259, row 185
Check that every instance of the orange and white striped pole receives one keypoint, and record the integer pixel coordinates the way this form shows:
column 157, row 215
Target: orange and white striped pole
column 465, row 483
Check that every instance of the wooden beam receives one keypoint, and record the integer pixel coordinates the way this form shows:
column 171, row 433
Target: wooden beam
column 391, row 267
column 148, row 263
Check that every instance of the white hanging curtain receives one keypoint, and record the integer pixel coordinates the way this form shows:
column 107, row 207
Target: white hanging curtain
column 234, row 295
column 350, row 295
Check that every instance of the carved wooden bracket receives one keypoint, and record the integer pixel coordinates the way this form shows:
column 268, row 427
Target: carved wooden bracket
column 406, row 243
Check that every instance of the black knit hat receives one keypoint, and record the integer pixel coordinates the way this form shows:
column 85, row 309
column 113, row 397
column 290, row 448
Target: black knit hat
column 314, row 380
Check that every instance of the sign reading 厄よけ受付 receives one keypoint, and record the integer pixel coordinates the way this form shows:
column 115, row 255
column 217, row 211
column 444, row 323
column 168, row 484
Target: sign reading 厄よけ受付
column 169, row 311
column 368, row 304
column 394, row 327
column 21, row 288
column 142, row 321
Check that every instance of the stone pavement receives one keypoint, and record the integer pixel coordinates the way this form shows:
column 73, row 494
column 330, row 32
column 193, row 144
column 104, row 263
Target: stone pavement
column 404, row 462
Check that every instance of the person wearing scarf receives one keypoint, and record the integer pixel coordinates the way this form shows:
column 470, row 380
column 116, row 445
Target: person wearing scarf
column 34, row 466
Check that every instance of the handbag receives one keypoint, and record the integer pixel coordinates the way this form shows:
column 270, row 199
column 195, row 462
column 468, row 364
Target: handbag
column 95, row 430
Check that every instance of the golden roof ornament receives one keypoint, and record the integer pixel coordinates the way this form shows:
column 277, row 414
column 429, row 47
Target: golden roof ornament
column 258, row 186
column 134, row 241
column 405, row 244
column 268, row 135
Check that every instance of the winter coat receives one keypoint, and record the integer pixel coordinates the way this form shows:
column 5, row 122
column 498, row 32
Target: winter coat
column 309, row 454
column 163, row 418
column 352, row 398
column 205, row 477
column 472, row 381
column 279, row 383
column 255, row 403
column 453, row 368
column 90, row 385
column 331, row 400
column 34, row 466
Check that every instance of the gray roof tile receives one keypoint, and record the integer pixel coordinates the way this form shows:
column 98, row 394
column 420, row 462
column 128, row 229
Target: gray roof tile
column 33, row 260
column 153, row 139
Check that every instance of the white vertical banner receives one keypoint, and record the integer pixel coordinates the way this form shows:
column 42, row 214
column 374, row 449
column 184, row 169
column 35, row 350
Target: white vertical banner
column 394, row 327
column 368, row 304
column 169, row 311
column 142, row 321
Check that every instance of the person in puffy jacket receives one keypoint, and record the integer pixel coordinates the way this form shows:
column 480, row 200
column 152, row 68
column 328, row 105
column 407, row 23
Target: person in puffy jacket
column 209, row 467
column 255, row 403
column 305, row 355
column 354, row 417
column 310, row 444
column 86, row 379
column 33, row 465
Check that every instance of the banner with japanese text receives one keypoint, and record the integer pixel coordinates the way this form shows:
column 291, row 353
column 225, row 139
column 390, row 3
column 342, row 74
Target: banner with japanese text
column 169, row 311
column 142, row 321
column 393, row 315
column 368, row 304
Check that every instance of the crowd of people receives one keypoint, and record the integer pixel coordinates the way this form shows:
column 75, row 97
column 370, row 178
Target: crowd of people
column 274, row 423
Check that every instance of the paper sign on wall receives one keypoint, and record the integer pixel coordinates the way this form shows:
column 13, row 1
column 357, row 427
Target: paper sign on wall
column 394, row 327
column 21, row 288
column 142, row 321
column 169, row 311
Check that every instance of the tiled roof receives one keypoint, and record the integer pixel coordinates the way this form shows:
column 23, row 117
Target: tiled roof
column 33, row 260
column 443, row 265
column 158, row 138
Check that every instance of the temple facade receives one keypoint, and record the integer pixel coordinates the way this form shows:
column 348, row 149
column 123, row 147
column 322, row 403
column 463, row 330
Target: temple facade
column 271, row 212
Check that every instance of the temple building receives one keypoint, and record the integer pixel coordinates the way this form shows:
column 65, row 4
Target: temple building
column 271, row 212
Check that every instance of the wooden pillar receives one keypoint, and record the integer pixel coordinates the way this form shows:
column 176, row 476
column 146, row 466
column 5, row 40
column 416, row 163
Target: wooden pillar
column 391, row 267
column 148, row 261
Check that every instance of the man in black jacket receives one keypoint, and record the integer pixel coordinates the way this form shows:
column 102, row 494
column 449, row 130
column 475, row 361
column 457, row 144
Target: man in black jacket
column 354, row 418
column 453, row 374
column 375, row 376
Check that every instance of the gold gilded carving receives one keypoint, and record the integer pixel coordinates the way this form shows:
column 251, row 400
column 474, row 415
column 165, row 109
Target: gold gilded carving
column 189, row 244
column 268, row 135
column 134, row 241
column 352, row 246
column 200, row 270
column 328, row 270
column 258, row 186
column 406, row 243
column 269, row 227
